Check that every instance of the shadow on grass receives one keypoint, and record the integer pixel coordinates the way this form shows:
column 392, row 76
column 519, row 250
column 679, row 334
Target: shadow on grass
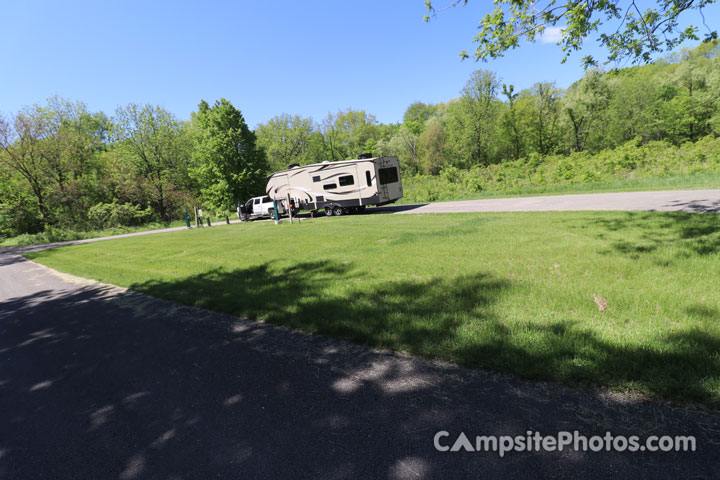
column 413, row 315
column 646, row 232
column 465, row 228
column 454, row 320
column 99, row 382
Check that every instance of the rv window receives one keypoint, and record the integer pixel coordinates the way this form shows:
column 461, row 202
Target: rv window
column 320, row 198
column 388, row 175
column 329, row 186
column 368, row 178
column 346, row 180
column 316, row 179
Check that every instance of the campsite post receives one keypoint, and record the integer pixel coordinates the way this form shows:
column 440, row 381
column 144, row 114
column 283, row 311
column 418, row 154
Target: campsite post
column 275, row 212
column 289, row 208
column 187, row 218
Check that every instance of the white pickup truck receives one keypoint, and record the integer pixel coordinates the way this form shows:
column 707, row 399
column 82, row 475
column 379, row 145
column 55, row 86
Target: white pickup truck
column 258, row 207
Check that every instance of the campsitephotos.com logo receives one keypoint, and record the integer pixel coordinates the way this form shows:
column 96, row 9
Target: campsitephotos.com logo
column 564, row 440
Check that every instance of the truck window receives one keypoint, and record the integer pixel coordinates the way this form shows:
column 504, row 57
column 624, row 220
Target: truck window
column 329, row 186
column 368, row 178
column 266, row 200
column 346, row 180
column 257, row 201
column 388, row 175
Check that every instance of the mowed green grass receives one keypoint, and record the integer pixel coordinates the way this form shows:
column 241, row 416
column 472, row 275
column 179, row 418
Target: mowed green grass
column 511, row 292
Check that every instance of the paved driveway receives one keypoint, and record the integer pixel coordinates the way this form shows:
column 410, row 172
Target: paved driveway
column 100, row 382
column 707, row 201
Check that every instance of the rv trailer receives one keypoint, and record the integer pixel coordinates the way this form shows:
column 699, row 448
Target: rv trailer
column 343, row 187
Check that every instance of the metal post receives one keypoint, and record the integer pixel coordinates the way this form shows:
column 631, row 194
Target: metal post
column 275, row 212
column 289, row 209
column 187, row 218
column 197, row 222
column 208, row 220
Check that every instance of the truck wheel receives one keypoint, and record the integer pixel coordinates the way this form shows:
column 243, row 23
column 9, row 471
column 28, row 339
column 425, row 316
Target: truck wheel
column 328, row 211
column 339, row 211
column 271, row 212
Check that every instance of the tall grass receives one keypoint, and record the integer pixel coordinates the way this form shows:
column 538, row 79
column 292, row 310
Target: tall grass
column 656, row 165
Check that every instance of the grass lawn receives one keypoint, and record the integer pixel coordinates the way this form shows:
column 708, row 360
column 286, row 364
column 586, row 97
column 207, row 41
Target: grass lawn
column 512, row 292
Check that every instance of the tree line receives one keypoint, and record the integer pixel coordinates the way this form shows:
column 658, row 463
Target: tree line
column 63, row 166
column 674, row 99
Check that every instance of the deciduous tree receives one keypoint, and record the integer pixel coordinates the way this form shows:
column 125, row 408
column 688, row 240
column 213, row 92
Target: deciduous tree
column 229, row 166
column 285, row 139
column 631, row 33
column 157, row 145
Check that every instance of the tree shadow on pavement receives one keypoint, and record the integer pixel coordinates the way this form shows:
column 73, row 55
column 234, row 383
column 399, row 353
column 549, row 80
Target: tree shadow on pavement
column 452, row 320
column 98, row 382
column 696, row 206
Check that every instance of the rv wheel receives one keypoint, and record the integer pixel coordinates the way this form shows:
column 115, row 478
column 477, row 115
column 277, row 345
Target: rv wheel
column 339, row 211
column 328, row 211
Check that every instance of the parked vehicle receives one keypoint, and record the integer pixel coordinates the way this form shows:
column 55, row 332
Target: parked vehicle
column 339, row 188
column 263, row 206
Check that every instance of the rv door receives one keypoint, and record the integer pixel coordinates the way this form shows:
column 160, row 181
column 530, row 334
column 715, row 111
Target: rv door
column 388, row 176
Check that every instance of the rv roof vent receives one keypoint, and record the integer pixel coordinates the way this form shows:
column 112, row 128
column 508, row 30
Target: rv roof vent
column 365, row 155
column 293, row 165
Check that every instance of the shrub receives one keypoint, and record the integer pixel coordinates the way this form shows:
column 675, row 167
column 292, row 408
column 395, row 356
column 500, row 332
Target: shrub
column 104, row 215
column 19, row 213
column 630, row 161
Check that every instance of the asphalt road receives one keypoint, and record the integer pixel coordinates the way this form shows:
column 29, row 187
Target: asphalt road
column 706, row 201
column 100, row 382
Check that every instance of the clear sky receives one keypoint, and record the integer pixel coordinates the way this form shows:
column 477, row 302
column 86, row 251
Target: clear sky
column 266, row 57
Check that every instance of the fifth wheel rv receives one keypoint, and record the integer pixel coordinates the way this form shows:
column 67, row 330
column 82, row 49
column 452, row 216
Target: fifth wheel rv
column 340, row 188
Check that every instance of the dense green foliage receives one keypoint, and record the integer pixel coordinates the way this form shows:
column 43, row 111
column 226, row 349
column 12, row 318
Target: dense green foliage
column 515, row 292
column 52, row 235
column 629, row 164
column 654, row 121
column 637, row 34
column 228, row 166
column 65, row 172
column 63, row 167
column 155, row 144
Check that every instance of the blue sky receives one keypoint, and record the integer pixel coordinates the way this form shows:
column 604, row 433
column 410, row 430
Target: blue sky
column 266, row 57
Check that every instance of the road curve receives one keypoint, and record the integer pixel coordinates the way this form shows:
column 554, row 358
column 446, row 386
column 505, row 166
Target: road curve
column 692, row 201
column 100, row 382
